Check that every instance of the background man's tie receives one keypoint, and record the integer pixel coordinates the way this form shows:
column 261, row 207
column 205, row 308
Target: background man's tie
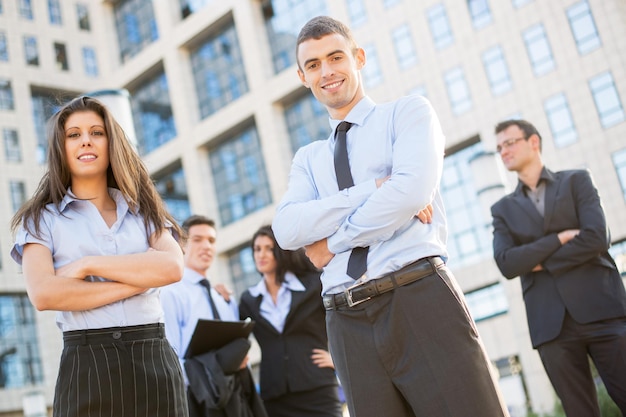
column 357, row 264
column 206, row 284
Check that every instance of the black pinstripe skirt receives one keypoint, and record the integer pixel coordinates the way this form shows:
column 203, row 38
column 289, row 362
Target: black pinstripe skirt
column 121, row 371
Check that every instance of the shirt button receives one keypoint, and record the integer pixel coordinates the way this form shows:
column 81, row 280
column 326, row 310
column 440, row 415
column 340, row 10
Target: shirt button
column 117, row 335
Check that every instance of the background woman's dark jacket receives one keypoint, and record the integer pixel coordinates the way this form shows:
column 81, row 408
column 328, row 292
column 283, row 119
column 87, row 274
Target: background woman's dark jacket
column 286, row 364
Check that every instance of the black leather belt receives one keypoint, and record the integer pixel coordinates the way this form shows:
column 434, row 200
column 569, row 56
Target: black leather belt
column 114, row 334
column 362, row 292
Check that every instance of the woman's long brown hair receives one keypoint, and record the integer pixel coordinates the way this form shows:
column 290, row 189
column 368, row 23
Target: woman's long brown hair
column 126, row 172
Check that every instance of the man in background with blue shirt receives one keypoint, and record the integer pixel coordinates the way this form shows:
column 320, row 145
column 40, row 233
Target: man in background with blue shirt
column 400, row 334
column 193, row 298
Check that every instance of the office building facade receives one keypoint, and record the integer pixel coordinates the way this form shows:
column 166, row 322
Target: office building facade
column 218, row 112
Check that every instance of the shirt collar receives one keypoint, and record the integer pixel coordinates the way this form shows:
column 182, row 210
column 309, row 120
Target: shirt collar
column 291, row 283
column 357, row 115
column 546, row 175
column 191, row 276
column 115, row 194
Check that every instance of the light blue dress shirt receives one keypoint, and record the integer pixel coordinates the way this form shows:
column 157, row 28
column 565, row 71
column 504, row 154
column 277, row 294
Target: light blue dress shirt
column 186, row 301
column 76, row 230
column 277, row 313
column 403, row 139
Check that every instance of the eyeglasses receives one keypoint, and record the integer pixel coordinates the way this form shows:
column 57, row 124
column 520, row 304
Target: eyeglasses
column 507, row 144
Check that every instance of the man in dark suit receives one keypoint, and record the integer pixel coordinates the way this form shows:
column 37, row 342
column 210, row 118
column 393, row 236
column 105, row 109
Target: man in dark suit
column 551, row 231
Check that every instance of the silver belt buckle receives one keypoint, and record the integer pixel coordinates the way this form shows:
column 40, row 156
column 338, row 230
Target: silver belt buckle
column 348, row 293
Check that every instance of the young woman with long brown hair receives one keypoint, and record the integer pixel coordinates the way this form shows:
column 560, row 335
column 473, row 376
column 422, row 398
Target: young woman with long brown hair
column 95, row 242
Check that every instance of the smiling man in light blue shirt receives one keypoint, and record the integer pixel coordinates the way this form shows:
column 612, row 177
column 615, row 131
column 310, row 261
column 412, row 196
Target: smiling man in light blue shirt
column 190, row 300
column 400, row 334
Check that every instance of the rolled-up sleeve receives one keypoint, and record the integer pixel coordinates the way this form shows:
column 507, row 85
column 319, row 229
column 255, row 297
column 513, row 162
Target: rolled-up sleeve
column 23, row 237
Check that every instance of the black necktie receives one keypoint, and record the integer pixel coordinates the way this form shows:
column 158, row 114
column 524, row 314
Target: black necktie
column 206, row 284
column 357, row 264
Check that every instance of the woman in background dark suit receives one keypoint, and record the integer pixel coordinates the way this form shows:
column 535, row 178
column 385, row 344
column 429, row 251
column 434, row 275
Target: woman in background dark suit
column 297, row 373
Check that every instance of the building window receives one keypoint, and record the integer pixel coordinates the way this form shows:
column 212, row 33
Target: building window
column 218, row 72
column 479, row 12
column 31, row 51
column 560, row 118
column 356, row 12
column 539, row 51
column 283, row 20
column 513, row 116
column 372, row 74
column 439, row 26
column 618, row 249
column 82, row 12
column 6, row 95
column 512, row 384
column 420, row 90
column 403, row 44
column 90, row 62
column 188, row 7
column 390, row 3
column 619, row 161
column 4, row 48
column 60, row 56
column 135, row 26
column 307, row 121
column 25, row 9
column 239, row 177
column 469, row 233
column 487, row 302
column 519, row 3
column 497, row 71
column 608, row 103
column 173, row 191
column 152, row 111
column 242, row 269
column 54, row 9
column 583, row 27
column 20, row 363
column 18, row 194
column 12, row 151
column 458, row 91
column 44, row 106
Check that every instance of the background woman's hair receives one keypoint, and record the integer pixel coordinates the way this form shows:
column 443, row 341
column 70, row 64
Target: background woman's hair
column 126, row 172
column 286, row 260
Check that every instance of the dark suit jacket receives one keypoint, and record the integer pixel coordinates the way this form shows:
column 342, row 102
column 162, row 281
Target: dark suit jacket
column 219, row 389
column 580, row 276
column 286, row 364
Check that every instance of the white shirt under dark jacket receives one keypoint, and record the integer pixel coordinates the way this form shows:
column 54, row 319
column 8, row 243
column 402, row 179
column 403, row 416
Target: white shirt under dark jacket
column 277, row 313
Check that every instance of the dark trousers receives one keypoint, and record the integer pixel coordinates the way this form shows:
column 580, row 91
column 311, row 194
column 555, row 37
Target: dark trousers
column 566, row 361
column 124, row 371
column 414, row 351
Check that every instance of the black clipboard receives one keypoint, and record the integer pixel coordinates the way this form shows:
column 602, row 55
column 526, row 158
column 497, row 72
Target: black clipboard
column 213, row 334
